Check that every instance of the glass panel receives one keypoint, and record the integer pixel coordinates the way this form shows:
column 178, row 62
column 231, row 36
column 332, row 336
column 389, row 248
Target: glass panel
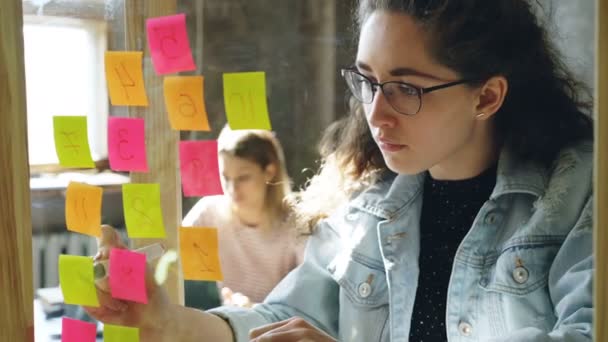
column 299, row 45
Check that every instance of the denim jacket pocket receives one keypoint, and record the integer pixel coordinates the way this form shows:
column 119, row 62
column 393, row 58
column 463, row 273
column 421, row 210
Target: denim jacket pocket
column 520, row 268
column 362, row 280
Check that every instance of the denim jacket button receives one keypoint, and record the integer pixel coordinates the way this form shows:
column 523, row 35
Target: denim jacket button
column 520, row 275
column 365, row 290
column 465, row 329
column 491, row 218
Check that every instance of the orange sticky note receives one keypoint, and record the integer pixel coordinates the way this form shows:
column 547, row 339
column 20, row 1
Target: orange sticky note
column 83, row 208
column 142, row 210
column 184, row 99
column 199, row 253
column 125, row 78
column 245, row 100
column 72, row 141
column 76, row 280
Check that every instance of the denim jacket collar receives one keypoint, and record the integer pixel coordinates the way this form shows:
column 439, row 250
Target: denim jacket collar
column 513, row 176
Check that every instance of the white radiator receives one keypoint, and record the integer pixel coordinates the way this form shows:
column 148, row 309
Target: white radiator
column 46, row 249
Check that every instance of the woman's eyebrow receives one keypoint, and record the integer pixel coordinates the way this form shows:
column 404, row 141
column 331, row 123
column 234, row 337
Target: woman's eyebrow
column 399, row 71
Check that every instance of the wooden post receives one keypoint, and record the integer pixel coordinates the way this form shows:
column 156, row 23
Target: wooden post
column 161, row 141
column 16, row 291
column 601, row 174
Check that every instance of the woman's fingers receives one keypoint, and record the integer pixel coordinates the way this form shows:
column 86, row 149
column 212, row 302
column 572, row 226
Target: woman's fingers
column 106, row 300
column 226, row 296
column 241, row 300
column 253, row 333
column 292, row 335
column 109, row 238
column 294, row 329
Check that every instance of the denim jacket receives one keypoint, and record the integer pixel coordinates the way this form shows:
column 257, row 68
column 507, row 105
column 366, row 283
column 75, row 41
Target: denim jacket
column 524, row 271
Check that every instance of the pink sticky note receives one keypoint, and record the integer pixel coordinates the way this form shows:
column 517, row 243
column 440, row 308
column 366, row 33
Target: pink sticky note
column 128, row 275
column 199, row 168
column 73, row 330
column 169, row 44
column 127, row 144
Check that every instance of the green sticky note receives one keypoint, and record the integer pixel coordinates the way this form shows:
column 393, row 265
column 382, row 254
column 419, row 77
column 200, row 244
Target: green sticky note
column 245, row 100
column 72, row 142
column 76, row 280
column 117, row 333
column 142, row 210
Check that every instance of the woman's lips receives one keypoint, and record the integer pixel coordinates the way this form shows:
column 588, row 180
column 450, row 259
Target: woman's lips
column 389, row 146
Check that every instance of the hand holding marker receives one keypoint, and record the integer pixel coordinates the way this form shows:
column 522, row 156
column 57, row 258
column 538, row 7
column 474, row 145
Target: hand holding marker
column 152, row 252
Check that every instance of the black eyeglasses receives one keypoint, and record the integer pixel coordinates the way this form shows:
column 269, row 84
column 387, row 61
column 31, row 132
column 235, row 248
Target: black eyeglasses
column 403, row 97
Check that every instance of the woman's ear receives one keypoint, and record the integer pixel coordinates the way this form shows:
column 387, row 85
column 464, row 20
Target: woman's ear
column 270, row 172
column 491, row 97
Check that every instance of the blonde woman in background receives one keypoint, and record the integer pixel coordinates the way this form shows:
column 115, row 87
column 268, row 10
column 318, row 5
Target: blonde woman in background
column 257, row 244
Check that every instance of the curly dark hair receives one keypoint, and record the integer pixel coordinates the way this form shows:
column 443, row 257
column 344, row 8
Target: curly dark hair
column 545, row 109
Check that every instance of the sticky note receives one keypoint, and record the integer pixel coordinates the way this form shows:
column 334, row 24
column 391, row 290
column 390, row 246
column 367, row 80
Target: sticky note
column 125, row 78
column 199, row 168
column 127, row 144
column 72, row 141
column 76, row 280
column 142, row 210
column 83, row 208
column 199, row 253
column 245, row 100
column 169, row 44
column 184, row 99
column 117, row 333
column 73, row 330
column 128, row 275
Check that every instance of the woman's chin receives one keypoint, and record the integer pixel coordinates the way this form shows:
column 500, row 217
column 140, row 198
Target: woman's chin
column 403, row 167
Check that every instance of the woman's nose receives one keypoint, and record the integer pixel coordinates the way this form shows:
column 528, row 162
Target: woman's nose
column 380, row 113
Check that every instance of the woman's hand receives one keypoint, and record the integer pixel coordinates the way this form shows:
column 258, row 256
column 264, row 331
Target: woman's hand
column 295, row 329
column 126, row 313
column 235, row 299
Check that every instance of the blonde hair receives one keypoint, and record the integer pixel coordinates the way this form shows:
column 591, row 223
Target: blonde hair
column 263, row 148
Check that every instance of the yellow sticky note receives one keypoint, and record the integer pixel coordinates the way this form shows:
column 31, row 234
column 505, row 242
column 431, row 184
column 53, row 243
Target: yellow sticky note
column 72, row 141
column 245, row 100
column 125, row 78
column 117, row 333
column 142, row 210
column 83, row 208
column 199, row 253
column 76, row 280
column 184, row 99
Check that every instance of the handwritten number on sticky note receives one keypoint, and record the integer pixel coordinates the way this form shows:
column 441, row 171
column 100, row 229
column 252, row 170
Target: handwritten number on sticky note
column 81, row 211
column 70, row 144
column 247, row 108
column 187, row 107
column 122, row 133
column 167, row 36
column 203, row 257
column 139, row 206
column 125, row 79
column 198, row 169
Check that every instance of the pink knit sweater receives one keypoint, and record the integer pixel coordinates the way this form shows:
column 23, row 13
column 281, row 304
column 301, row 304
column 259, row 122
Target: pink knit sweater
column 253, row 260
